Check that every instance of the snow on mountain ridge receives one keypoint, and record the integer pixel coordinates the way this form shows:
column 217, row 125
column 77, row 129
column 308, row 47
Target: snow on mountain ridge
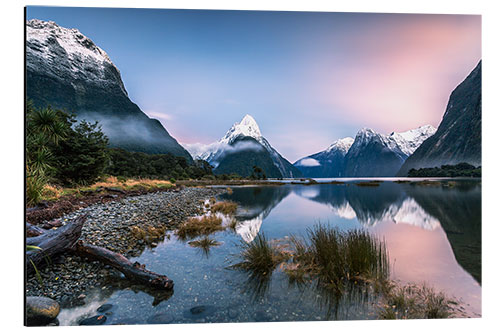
column 410, row 140
column 342, row 144
column 60, row 51
column 405, row 142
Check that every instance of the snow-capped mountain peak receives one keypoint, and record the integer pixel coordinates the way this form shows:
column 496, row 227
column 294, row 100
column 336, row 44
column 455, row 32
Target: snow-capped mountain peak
column 246, row 127
column 342, row 144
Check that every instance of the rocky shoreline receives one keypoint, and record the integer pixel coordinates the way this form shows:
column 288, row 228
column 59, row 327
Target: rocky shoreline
column 70, row 279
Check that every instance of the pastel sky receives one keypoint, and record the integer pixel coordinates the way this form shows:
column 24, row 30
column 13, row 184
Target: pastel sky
column 307, row 78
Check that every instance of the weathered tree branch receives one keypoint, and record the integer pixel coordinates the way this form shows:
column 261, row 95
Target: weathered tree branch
column 65, row 239
column 133, row 271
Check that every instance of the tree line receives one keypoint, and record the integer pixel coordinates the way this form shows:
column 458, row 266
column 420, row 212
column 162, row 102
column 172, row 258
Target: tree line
column 61, row 150
column 457, row 170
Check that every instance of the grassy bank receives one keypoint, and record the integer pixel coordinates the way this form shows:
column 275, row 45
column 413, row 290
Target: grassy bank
column 109, row 184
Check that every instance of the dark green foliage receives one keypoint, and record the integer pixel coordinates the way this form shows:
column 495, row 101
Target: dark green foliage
column 258, row 173
column 82, row 157
column 162, row 166
column 243, row 161
column 59, row 150
column 458, row 170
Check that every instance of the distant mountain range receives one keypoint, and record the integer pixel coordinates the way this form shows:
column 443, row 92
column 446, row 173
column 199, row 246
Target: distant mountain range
column 458, row 137
column 370, row 154
column 66, row 70
column 241, row 148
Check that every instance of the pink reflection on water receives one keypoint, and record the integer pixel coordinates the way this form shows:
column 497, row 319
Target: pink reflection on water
column 425, row 256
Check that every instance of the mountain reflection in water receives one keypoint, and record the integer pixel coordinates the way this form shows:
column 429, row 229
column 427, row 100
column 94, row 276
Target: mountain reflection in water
column 456, row 209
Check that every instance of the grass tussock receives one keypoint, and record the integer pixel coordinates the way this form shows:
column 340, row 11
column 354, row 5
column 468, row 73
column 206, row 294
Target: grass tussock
column 336, row 258
column 149, row 234
column 198, row 226
column 416, row 302
column 227, row 208
column 259, row 257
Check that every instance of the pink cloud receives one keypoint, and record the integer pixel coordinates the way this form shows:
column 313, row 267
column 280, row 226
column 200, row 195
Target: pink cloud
column 400, row 75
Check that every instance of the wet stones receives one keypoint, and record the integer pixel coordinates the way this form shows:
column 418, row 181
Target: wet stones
column 108, row 225
column 104, row 308
column 41, row 311
column 95, row 320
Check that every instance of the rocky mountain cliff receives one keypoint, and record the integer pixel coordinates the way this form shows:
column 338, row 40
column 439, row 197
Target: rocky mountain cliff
column 458, row 138
column 67, row 70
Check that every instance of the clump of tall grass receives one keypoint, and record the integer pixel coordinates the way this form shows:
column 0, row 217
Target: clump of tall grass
column 259, row 257
column 415, row 302
column 335, row 258
column 35, row 183
column 197, row 226
column 225, row 207
column 149, row 234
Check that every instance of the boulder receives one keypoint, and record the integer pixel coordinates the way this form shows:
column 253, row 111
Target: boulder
column 41, row 311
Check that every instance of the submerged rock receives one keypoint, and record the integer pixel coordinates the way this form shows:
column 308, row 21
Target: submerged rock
column 197, row 309
column 200, row 311
column 41, row 311
column 95, row 320
column 104, row 307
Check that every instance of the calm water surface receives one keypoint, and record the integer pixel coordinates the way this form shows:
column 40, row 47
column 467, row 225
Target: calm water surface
column 433, row 235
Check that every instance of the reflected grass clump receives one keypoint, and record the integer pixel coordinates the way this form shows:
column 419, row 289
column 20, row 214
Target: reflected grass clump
column 227, row 208
column 416, row 302
column 197, row 226
column 204, row 244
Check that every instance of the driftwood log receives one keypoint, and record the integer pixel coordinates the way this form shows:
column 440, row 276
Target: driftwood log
column 33, row 230
column 53, row 243
column 65, row 239
column 132, row 271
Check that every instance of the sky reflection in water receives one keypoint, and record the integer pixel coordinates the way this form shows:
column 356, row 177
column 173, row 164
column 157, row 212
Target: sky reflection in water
column 433, row 235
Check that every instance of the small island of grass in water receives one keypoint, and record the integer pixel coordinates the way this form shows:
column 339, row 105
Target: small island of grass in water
column 336, row 262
